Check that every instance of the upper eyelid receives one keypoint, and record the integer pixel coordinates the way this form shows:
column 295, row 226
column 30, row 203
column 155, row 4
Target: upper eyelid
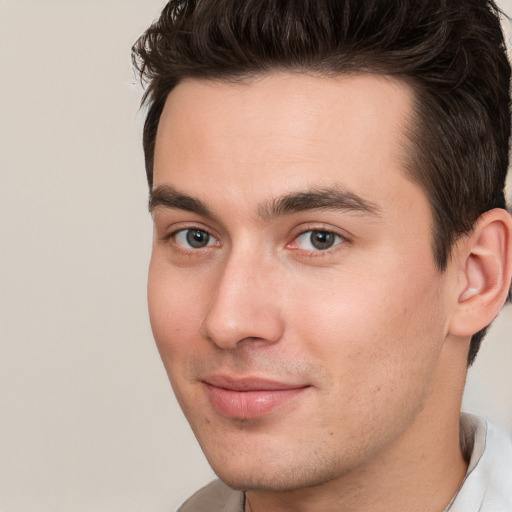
column 176, row 227
column 166, row 217
column 174, row 232
column 344, row 239
column 170, row 231
column 210, row 237
column 322, row 227
column 335, row 233
column 331, row 231
column 188, row 228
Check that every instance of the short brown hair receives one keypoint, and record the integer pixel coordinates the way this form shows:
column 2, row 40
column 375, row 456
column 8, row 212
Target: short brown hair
column 451, row 52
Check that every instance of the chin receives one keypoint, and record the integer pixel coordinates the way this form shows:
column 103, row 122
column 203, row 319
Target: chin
column 273, row 477
column 256, row 482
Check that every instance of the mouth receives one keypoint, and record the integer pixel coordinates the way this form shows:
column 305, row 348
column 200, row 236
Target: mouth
column 249, row 398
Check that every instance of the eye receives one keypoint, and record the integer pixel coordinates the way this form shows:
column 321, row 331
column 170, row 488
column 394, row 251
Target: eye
column 194, row 238
column 318, row 240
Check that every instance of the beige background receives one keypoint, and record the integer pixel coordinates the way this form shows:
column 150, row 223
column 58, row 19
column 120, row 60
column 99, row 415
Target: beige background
column 87, row 418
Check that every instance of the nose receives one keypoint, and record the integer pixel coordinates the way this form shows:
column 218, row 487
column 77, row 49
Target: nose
column 245, row 304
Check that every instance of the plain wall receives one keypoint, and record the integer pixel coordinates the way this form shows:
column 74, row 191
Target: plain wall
column 88, row 422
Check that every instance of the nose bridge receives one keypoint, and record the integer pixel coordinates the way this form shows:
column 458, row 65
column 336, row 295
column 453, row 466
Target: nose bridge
column 245, row 302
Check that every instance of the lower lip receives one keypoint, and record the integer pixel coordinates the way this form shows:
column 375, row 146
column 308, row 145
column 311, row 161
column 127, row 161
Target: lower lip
column 249, row 404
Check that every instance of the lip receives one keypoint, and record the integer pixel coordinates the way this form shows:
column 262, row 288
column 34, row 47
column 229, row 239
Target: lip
column 249, row 398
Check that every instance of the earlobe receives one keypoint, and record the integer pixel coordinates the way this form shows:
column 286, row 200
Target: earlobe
column 487, row 270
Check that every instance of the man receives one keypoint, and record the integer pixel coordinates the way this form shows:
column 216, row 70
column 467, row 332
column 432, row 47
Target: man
column 331, row 242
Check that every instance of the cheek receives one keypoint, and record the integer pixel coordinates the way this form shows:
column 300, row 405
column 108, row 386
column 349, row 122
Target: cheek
column 372, row 323
column 174, row 305
column 375, row 344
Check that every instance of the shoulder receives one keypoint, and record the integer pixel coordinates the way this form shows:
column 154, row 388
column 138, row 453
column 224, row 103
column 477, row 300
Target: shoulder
column 215, row 497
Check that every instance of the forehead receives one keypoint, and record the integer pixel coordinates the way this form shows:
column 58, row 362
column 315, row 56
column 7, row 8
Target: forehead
column 285, row 131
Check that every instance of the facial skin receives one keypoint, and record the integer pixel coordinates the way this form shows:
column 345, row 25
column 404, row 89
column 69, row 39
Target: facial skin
column 324, row 314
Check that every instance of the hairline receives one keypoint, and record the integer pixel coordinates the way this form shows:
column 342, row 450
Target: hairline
column 410, row 152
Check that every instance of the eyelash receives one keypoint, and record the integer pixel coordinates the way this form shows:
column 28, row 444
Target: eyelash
column 171, row 238
column 339, row 240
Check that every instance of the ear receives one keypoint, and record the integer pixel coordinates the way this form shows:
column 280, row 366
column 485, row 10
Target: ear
column 486, row 270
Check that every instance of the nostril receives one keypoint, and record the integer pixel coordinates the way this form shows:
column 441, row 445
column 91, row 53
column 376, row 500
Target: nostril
column 231, row 326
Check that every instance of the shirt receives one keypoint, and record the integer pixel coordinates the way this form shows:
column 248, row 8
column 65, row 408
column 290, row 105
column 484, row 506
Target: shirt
column 487, row 486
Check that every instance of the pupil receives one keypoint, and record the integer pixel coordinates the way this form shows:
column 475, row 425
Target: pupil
column 322, row 239
column 197, row 238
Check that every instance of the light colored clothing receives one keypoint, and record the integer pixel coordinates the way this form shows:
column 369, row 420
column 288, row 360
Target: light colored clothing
column 488, row 483
column 487, row 486
column 215, row 497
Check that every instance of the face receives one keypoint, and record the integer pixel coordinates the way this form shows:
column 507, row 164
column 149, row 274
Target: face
column 293, row 293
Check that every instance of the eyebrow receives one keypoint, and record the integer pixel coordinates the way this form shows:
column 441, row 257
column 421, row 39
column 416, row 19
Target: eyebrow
column 169, row 197
column 329, row 198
